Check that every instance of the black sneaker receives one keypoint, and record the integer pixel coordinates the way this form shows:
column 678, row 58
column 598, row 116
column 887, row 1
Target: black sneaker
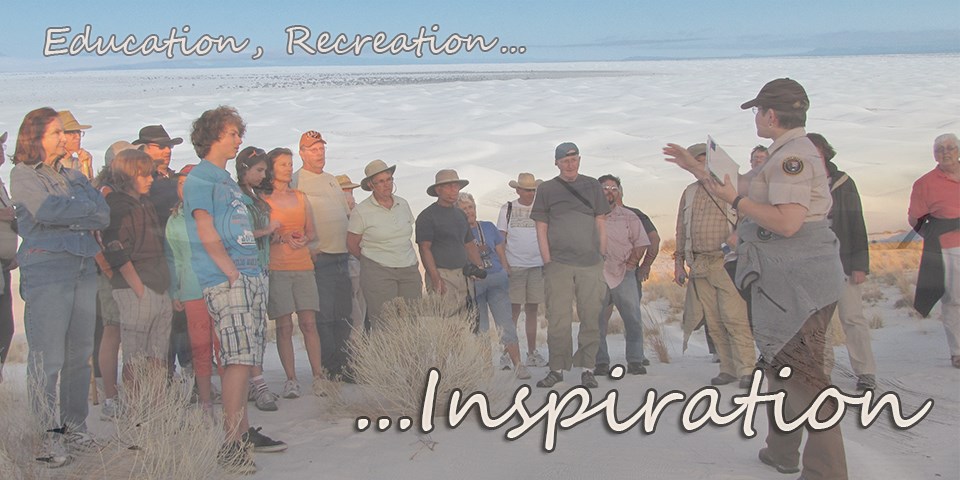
column 634, row 368
column 602, row 369
column 551, row 379
column 588, row 380
column 262, row 443
column 765, row 457
column 723, row 379
column 866, row 382
column 235, row 458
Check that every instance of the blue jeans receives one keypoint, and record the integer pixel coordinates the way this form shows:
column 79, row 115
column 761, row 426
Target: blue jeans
column 627, row 300
column 493, row 293
column 334, row 323
column 59, row 291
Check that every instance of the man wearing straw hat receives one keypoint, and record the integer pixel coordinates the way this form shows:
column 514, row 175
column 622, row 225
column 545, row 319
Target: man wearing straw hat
column 525, row 265
column 569, row 212
column 77, row 158
column 446, row 242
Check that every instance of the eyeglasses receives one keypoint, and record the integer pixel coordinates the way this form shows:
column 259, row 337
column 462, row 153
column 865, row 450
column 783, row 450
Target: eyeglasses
column 528, row 189
column 81, row 133
column 161, row 147
column 945, row 148
column 611, row 188
column 383, row 181
column 755, row 110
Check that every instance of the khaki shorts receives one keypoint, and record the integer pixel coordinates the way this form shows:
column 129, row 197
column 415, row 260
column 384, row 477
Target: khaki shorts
column 109, row 314
column 144, row 324
column 526, row 285
column 292, row 291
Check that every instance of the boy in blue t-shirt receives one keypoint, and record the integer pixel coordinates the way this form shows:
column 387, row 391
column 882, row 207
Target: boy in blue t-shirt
column 224, row 255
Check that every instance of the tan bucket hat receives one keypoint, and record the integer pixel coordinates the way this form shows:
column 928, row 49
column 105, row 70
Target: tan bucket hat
column 70, row 122
column 443, row 177
column 372, row 169
column 346, row 183
column 526, row 181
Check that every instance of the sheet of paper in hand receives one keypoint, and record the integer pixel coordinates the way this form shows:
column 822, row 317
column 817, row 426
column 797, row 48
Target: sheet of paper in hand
column 719, row 163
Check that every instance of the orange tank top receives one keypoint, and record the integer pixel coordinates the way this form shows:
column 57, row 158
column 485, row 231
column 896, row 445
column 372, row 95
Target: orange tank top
column 292, row 218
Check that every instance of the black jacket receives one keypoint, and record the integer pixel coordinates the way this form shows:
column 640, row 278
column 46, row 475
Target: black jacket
column 846, row 221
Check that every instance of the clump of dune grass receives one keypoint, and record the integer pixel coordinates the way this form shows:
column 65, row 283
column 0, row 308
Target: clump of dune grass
column 653, row 333
column 159, row 434
column 876, row 322
column 390, row 365
column 21, row 436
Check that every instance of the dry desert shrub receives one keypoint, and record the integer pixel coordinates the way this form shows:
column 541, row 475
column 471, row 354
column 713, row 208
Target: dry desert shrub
column 661, row 286
column 653, row 333
column 159, row 435
column 890, row 258
column 20, row 437
column 391, row 364
column 876, row 322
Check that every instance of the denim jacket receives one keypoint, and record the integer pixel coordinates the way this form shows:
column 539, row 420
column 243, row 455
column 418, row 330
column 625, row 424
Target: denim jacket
column 57, row 211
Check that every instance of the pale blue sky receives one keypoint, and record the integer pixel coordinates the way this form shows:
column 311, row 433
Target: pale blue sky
column 557, row 30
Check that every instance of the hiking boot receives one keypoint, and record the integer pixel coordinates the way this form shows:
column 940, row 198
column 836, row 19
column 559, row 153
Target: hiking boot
column 746, row 381
column 262, row 443
column 645, row 362
column 265, row 400
column 505, row 362
column 109, row 410
column 723, row 379
column 768, row 459
column 551, row 379
column 866, row 382
column 588, row 380
column 522, row 372
column 534, row 359
column 51, row 453
column 291, row 389
column 234, row 458
column 602, row 369
column 634, row 368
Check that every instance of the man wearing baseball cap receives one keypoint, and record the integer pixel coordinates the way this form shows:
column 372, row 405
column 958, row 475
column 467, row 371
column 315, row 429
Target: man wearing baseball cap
column 329, row 250
column 569, row 212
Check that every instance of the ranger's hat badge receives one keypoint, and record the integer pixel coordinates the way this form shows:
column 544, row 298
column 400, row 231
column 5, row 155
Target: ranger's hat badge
column 792, row 166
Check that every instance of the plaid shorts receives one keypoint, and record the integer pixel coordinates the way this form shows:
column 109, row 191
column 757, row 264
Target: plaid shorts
column 238, row 313
column 144, row 323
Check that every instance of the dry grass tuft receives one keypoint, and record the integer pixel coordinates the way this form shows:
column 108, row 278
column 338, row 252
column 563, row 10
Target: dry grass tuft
column 19, row 437
column 159, row 435
column 876, row 322
column 391, row 364
column 653, row 334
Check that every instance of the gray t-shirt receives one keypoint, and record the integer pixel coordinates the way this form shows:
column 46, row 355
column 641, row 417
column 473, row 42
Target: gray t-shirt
column 572, row 231
column 447, row 230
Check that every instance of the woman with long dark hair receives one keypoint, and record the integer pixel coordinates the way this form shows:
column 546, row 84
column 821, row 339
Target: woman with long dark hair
column 253, row 172
column 58, row 214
